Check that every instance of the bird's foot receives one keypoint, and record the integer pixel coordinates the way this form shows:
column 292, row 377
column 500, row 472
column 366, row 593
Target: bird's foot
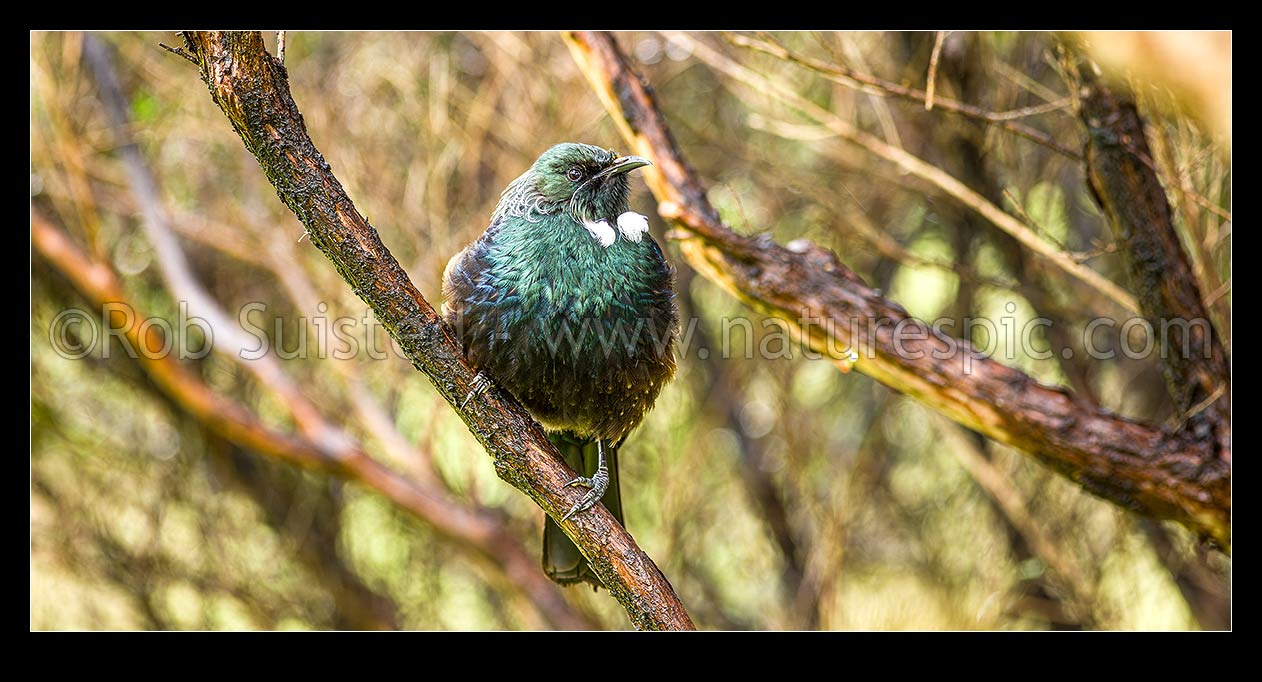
column 598, row 484
column 480, row 383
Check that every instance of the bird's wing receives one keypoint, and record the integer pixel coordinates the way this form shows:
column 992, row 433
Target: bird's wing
column 464, row 284
column 451, row 288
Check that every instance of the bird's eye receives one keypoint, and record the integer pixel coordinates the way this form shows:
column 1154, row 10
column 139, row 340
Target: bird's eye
column 574, row 174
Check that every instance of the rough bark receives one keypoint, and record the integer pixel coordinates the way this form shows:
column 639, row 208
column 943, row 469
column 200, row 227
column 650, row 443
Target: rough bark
column 1123, row 179
column 1153, row 471
column 252, row 89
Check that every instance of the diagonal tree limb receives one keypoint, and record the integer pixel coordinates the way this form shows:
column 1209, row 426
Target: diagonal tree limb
column 1155, row 472
column 230, row 420
column 252, row 89
column 1124, row 181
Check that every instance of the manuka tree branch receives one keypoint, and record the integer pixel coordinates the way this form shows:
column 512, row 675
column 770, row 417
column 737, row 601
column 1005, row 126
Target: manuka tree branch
column 252, row 89
column 1153, row 471
column 1123, row 178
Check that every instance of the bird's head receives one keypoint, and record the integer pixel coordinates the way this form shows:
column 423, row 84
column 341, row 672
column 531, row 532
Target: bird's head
column 585, row 181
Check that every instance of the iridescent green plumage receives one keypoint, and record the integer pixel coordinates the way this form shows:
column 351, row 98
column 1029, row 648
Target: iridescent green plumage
column 567, row 303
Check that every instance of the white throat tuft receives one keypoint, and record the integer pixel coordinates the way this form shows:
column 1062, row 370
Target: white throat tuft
column 602, row 231
column 632, row 225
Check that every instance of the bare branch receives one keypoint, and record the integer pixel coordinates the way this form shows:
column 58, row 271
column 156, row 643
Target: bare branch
column 179, row 51
column 1124, row 181
column 931, row 79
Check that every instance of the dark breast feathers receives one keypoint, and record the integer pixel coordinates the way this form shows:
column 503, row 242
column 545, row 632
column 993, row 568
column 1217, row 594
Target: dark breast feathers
column 583, row 335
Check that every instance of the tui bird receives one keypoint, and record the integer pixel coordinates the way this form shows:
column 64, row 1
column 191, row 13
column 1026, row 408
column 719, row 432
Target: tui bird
column 567, row 302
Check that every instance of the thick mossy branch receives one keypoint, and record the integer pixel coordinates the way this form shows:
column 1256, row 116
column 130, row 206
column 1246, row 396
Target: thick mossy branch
column 252, row 89
column 1142, row 467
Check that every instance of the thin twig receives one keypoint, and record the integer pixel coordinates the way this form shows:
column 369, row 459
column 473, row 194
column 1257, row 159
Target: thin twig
column 880, row 240
column 1218, row 293
column 1032, row 110
column 1201, row 406
column 931, row 79
column 179, row 51
column 1075, row 256
column 1101, row 249
column 873, row 85
column 1170, row 181
column 879, row 104
column 1023, row 80
column 912, row 164
column 1029, row 220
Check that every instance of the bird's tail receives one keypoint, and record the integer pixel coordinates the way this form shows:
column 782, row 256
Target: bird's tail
column 562, row 561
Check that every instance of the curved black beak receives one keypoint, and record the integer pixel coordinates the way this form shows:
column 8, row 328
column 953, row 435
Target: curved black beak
column 623, row 164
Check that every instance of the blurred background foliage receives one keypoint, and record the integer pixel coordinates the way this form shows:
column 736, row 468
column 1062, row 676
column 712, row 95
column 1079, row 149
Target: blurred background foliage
column 773, row 493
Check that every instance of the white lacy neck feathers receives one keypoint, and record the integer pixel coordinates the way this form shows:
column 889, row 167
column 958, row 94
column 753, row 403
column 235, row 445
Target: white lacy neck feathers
column 631, row 225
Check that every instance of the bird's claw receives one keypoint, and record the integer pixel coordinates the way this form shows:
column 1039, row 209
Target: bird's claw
column 589, row 500
column 598, row 484
column 480, row 383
